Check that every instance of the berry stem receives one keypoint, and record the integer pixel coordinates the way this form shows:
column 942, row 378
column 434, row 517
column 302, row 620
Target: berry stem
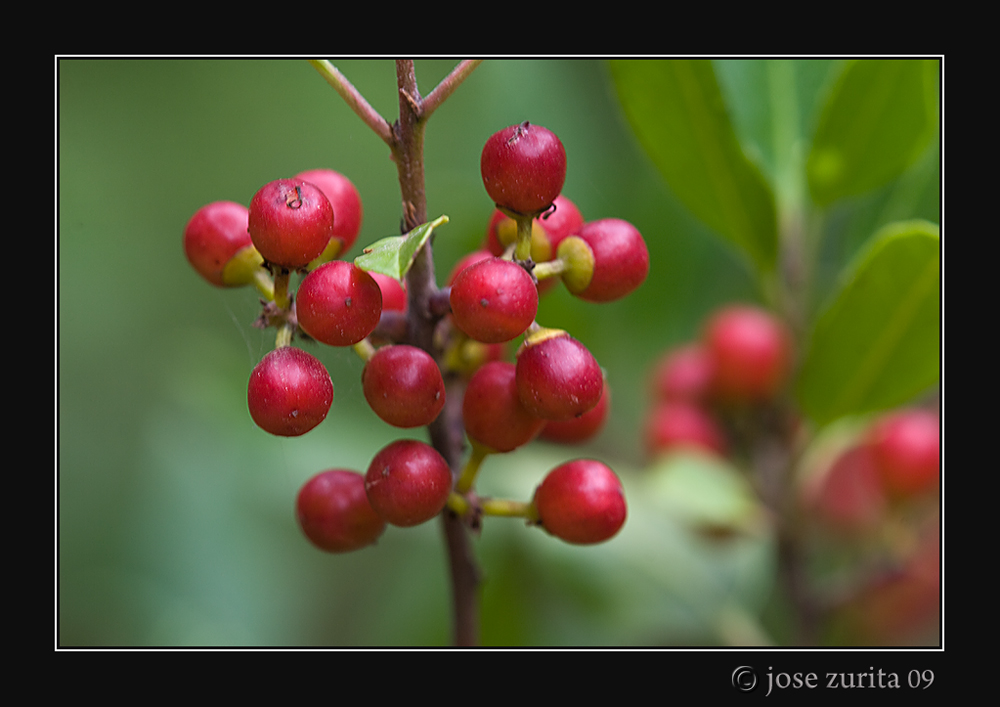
column 281, row 289
column 508, row 509
column 523, row 249
column 264, row 284
column 364, row 349
column 468, row 478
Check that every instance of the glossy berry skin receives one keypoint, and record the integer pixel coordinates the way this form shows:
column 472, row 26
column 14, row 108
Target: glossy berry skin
column 216, row 233
column 557, row 377
column 579, row 429
column 290, row 392
column 907, row 449
column 335, row 514
column 393, row 292
column 492, row 411
column 678, row 424
column 620, row 260
column 290, row 222
column 408, row 483
column 345, row 200
column 563, row 221
column 751, row 355
column 494, row 300
column 338, row 303
column 523, row 168
column 403, row 385
column 581, row 502
column 685, row 373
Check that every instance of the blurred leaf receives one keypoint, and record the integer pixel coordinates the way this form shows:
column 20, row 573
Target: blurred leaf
column 879, row 118
column 394, row 255
column 707, row 492
column 677, row 112
column 878, row 344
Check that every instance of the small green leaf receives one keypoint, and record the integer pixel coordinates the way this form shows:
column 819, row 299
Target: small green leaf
column 677, row 111
column 394, row 255
column 878, row 119
column 878, row 344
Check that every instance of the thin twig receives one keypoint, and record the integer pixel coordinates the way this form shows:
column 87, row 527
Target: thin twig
column 354, row 99
column 448, row 85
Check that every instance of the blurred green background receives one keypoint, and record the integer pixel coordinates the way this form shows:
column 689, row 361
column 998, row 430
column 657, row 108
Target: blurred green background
column 175, row 512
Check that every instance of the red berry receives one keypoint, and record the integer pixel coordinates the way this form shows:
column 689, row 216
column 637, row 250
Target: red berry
column 579, row 429
column 334, row 512
column 557, row 377
column 492, row 411
column 345, row 200
column 501, row 233
column 494, row 300
column 467, row 260
column 290, row 222
column 216, row 233
column 289, row 393
column 393, row 292
column 849, row 496
column 617, row 261
column 408, row 482
column 907, row 447
column 523, row 168
column 750, row 350
column 338, row 303
column 685, row 373
column 678, row 424
column 581, row 502
column 403, row 385
column 563, row 221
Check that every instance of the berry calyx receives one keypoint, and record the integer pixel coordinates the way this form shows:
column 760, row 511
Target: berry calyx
column 907, row 449
column 214, row 237
column 290, row 222
column 403, row 385
column 334, row 512
column 617, row 263
column 678, row 424
column 494, row 300
column 750, row 350
column 492, row 410
column 408, row 483
column 581, row 502
column 338, row 304
column 289, row 393
column 523, row 168
column 557, row 377
column 348, row 211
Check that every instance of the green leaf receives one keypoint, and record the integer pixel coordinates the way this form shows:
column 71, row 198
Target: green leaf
column 878, row 344
column 394, row 255
column 676, row 109
column 878, row 119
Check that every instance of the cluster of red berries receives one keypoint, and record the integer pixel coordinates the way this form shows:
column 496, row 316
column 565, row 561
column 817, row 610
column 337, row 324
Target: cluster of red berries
column 742, row 358
column 875, row 493
column 554, row 387
column 872, row 490
column 894, row 460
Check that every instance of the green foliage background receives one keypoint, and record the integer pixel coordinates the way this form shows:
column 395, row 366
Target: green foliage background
column 175, row 513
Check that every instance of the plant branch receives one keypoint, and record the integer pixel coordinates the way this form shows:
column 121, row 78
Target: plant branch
column 354, row 99
column 448, row 85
